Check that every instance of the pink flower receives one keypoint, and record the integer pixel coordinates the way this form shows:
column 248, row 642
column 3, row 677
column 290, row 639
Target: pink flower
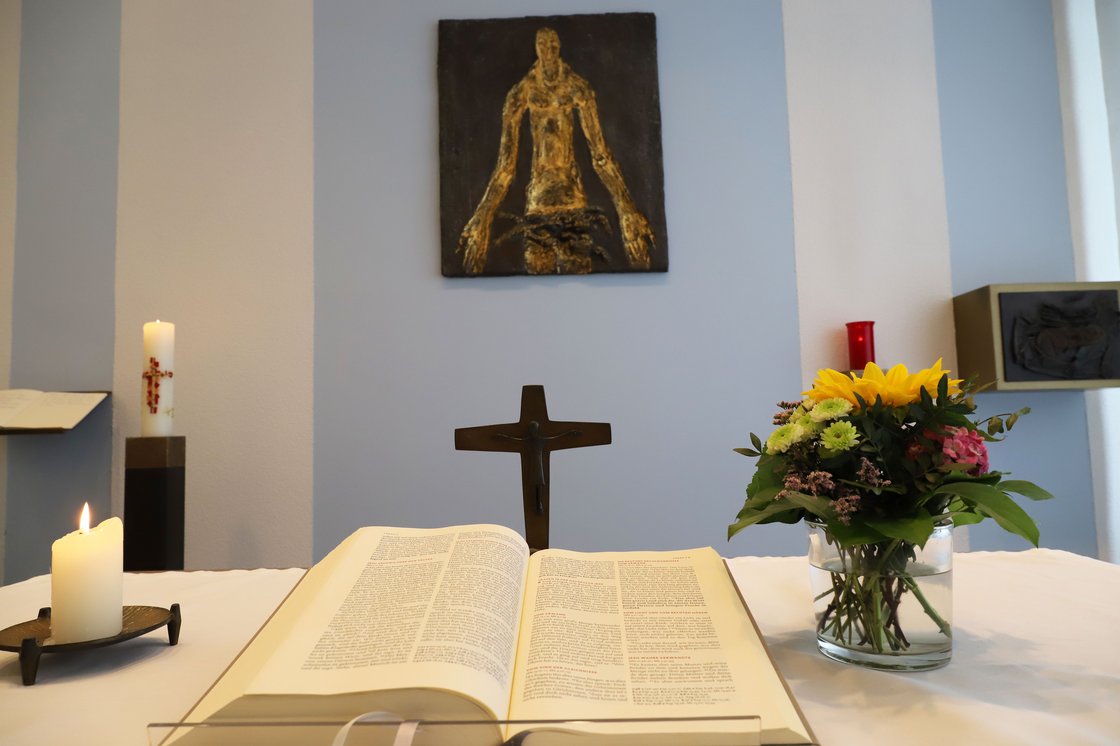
column 964, row 446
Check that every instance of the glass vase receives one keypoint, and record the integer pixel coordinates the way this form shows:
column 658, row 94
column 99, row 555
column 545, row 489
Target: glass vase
column 887, row 605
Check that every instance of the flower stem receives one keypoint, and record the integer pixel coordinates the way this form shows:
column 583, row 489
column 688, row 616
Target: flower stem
column 866, row 594
column 942, row 625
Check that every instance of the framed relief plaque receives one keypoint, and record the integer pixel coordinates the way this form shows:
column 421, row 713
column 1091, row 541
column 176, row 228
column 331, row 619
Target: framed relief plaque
column 550, row 146
column 1062, row 335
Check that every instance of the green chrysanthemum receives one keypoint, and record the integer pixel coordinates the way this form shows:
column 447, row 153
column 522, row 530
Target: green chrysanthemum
column 830, row 409
column 812, row 427
column 839, row 436
column 785, row 436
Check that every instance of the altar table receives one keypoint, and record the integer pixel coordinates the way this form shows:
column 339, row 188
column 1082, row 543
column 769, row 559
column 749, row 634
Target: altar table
column 1036, row 657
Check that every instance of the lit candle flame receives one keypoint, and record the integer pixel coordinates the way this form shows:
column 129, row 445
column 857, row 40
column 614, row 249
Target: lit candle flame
column 83, row 524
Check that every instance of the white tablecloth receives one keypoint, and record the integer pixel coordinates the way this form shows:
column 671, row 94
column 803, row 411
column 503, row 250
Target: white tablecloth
column 1036, row 657
column 109, row 695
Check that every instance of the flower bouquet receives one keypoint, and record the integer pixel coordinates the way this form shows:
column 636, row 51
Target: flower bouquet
column 877, row 464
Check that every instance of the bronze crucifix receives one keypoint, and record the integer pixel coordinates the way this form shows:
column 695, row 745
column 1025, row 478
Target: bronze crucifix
column 534, row 436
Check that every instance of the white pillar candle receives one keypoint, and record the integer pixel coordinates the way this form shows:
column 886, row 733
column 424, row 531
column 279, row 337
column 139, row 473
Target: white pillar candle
column 158, row 390
column 87, row 582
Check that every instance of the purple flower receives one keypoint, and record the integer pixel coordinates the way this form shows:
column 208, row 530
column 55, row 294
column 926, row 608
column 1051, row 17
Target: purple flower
column 845, row 505
column 820, row 482
column 793, row 482
column 870, row 474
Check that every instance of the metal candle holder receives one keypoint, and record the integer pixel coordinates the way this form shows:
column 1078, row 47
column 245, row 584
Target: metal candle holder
column 31, row 639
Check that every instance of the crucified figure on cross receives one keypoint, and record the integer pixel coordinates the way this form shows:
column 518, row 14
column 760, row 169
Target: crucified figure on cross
column 534, row 436
column 536, row 443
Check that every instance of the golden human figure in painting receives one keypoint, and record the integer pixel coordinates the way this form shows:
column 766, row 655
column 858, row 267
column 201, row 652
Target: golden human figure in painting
column 558, row 220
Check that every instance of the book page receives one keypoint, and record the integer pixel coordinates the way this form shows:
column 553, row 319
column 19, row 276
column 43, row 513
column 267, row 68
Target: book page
column 644, row 634
column 410, row 608
column 14, row 401
column 47, row 410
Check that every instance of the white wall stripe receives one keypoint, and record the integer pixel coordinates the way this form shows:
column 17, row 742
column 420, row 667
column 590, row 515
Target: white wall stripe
column 1092, row 209
column 870, row 221
column 215, row 235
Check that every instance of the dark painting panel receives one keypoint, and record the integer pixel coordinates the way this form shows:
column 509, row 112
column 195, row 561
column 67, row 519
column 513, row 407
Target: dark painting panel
column 574, row 184
column 1060, row 335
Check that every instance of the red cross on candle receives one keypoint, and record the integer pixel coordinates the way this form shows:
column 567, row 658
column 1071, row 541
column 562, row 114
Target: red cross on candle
column 153, row 375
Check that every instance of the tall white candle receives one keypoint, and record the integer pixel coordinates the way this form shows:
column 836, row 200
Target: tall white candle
column 158, row 389
column 87, row 581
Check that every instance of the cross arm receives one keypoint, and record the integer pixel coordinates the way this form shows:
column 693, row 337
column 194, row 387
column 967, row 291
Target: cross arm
column 582, row 434
column 504, row 437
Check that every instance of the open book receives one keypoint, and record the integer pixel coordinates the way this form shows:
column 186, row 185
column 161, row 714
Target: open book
column 25, row 410
column 462, row 623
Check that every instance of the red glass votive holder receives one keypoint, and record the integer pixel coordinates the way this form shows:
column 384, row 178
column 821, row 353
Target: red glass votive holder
column 861, row 344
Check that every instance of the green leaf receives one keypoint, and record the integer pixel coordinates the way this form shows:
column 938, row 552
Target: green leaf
column 818, row 506
column 966, row 517
column 765, row 475
column 760, row 499
column 991, row 478
column 956, row 419
column 994, row 503
column 850, row 535
column 792, row 516
column 897, row 489
column 927, row 400
column 756, row 442
column 913, row 530
column 746, row 452
column 943, row 388
column 758, row 516
column 1026, row 489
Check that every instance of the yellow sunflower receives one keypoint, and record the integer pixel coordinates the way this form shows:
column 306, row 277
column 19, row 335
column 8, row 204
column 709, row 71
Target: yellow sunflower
column 897, row 387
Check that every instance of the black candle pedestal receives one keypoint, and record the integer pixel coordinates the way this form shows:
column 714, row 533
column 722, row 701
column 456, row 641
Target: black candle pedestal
column 154, row 476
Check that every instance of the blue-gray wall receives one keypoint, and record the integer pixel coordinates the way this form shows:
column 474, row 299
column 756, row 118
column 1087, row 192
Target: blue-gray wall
column 65, row 244
column 1005, row 181
column 681, row 364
